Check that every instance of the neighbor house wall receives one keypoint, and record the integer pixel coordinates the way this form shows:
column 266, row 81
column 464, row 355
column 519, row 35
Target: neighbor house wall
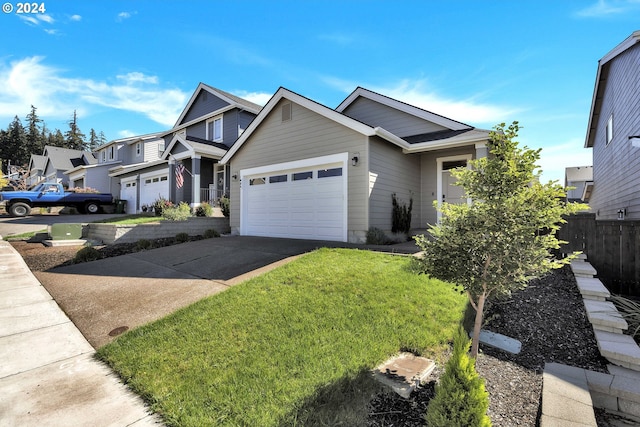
column 616, row 166
column 306, row 135
column 392, row 171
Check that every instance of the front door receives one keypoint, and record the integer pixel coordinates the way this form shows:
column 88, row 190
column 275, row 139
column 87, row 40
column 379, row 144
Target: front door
column 452, row 193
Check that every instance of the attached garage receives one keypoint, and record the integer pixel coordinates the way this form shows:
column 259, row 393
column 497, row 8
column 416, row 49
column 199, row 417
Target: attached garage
column 154, row 186
column 305, row 199
column 129, row 192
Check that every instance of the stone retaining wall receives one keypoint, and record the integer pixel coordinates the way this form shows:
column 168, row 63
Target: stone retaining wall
column 119, row 233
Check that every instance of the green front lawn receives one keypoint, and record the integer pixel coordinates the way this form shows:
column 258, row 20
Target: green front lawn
column 291, row 347
column 131, row 219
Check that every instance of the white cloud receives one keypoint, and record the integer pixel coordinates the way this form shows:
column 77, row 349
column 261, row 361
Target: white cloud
column 260, row 98
column 468, row 110
column 126, row 133
column 45, row 18
column 75, row 18
column 124, row 15
column 29, row 82
column 607, row 8
column 556, row 158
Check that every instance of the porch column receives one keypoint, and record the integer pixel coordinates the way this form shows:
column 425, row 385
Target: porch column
column 195, row 191
column 481, row 150
column 172, row 180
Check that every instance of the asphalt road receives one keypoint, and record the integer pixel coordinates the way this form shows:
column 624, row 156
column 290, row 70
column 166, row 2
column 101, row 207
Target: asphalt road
column 37, row 221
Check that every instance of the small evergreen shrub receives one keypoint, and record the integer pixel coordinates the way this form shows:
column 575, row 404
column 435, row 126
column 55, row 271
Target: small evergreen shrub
column 461, row 399
column 401, row 215
column 182, row 237
column 224, row 206
column 177, row 213
column 376, row 236
column 204, row 209
column 143, row 244
column 210, row 233
column 86, row 254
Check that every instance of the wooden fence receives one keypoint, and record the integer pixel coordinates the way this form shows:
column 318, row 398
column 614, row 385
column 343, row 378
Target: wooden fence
column 612, row 247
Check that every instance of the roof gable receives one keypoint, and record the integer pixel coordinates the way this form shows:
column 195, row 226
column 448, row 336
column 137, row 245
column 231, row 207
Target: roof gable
column 220, row 100
column 412, row 110
column 601, row 80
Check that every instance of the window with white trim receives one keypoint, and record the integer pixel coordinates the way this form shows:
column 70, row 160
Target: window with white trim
column 111, row 153
column 610, row 129
column 104, row 155
column 214, row 129
column 138, row 149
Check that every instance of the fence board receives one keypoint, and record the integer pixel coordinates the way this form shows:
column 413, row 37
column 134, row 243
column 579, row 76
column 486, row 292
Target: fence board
column 612, row 247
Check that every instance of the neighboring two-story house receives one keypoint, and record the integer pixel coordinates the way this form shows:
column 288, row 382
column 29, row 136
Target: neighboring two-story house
column 304, row 170
column 614, row 133
column 55, row 162
column 182, row 164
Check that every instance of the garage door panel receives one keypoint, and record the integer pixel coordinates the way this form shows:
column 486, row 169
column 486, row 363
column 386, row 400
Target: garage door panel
column 313, row 207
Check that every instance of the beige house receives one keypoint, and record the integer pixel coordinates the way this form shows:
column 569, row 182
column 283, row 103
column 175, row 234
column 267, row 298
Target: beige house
column 303, row 170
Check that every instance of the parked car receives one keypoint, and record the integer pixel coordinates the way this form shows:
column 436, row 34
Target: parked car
column 19, row 203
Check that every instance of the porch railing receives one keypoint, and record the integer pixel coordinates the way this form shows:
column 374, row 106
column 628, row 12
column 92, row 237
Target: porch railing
column 211, row 196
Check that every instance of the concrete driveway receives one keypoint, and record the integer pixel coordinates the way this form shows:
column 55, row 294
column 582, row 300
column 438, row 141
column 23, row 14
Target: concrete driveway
column 123, row 292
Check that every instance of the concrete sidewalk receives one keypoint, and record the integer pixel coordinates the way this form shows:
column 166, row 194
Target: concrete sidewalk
column 48, row 375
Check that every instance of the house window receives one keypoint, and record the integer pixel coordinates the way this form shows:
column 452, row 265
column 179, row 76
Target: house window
column 104, row 155
column 257, row 181
column 609, row 129
column 277, row 178
column 111, row 153
column 138, row 149
column 326, row 173
column 214, row 129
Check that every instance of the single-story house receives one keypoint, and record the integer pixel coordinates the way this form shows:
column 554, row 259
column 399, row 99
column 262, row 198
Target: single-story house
column 304, row 170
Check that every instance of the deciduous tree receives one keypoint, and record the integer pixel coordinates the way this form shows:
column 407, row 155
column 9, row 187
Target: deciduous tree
column 503, row 239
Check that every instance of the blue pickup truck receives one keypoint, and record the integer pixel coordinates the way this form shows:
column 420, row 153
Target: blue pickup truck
column 19, row 203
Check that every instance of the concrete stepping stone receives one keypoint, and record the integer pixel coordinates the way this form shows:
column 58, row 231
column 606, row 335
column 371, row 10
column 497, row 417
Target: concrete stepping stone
column 604, row 316
column 592, row 288
column 566, row 400
column 619, row 349
column 404, row 373
column 583, row 269
column 500, row 341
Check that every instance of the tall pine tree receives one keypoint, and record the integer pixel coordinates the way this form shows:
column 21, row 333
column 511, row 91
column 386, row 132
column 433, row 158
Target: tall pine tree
column 13, row 145
column 35, row 132
column 74, row 138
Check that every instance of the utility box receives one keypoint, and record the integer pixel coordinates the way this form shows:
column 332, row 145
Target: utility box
column 65, row 231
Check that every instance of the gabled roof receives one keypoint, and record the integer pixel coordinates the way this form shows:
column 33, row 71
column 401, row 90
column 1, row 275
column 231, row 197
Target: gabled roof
column 401, row 106
column 64, row 158
column 233, row 100
column 426, row 142
column 601, row 80
column 37, row 162
column 194, row 146
column 130, row 140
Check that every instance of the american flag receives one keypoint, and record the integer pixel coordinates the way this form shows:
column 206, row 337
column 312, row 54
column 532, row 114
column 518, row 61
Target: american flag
column 179, row 176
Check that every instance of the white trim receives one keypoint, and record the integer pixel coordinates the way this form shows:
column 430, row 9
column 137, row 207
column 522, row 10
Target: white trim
column 341, row 159
column 439, row 162
column 155, row 173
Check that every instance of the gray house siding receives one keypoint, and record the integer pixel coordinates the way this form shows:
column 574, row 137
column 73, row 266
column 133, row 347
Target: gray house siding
column 198, row 130
column 306, row 135
column 391, row 171
column 616, row 166
column 396, row 122
column 204, row 103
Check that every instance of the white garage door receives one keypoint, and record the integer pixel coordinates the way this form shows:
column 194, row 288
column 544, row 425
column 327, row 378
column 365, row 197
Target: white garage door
column 153, row 188
column 307, row 202
column 129, row 192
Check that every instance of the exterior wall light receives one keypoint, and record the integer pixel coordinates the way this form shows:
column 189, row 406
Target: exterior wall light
column 621, row 213
column 635, row 141
column 354, row 160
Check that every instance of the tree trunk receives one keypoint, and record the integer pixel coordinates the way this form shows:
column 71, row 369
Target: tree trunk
column 475, row 341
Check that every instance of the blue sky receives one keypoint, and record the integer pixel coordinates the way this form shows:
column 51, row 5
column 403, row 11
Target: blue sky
column 129, row 67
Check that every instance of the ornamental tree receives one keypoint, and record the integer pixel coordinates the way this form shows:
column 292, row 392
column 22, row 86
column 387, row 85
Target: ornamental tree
column 503, row 239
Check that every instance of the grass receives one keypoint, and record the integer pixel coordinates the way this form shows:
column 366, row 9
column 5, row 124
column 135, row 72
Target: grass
column 131, row 219
column 24, row 236
column 291, row 347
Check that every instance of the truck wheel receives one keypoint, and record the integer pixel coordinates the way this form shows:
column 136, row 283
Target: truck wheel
column 19, row 209
column 91, row 208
